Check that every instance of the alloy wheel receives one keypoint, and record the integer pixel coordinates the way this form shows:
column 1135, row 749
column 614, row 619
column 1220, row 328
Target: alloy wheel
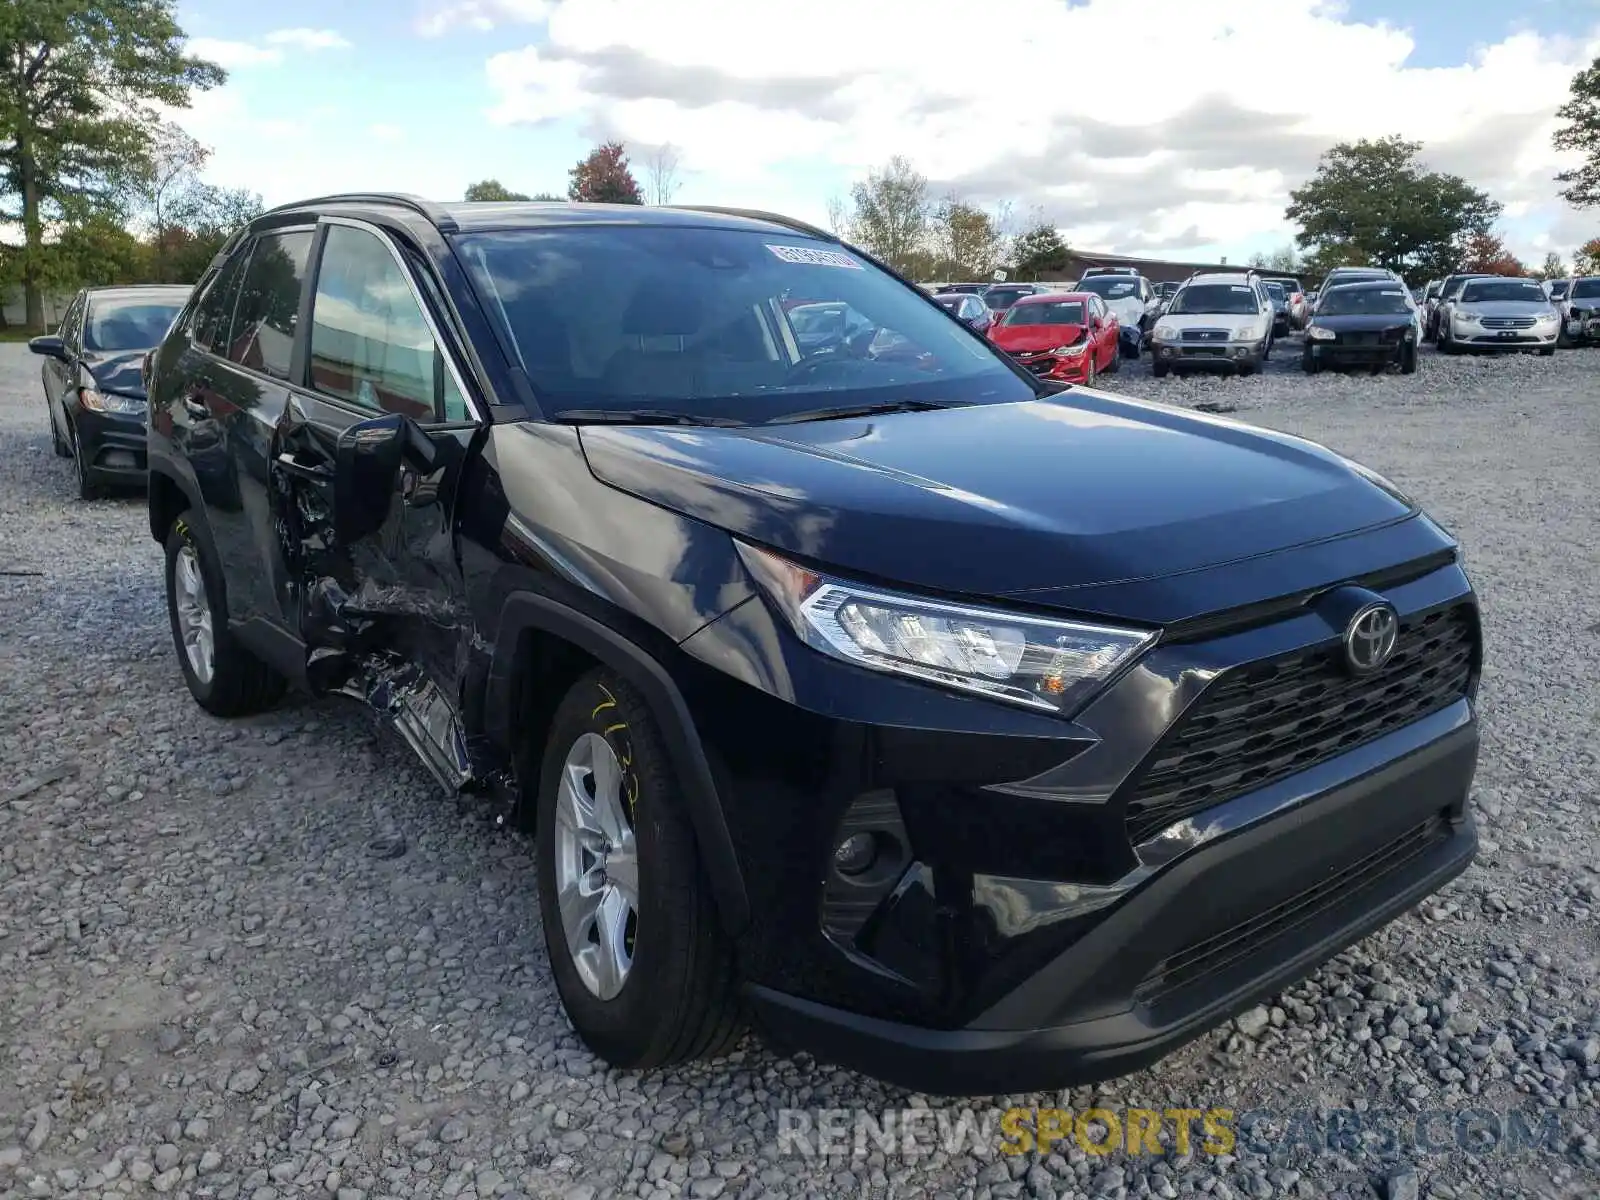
column 194, row 614
column 596, row 867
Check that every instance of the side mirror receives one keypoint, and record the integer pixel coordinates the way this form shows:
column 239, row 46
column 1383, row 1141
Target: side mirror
column 367, row 464
column 50, row 345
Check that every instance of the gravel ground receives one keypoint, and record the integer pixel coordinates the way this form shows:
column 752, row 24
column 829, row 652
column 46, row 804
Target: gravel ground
column 210, row 987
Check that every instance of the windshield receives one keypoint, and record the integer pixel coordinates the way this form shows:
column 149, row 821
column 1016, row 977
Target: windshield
column 703, row 322
column 1479, row 291
column 1001, row 297
column 118, row 325
column 1586, row 289
column 1216, row 298
column 1053, row 312
column 1348, row 301
column 1275, row 290
column 1112, row 287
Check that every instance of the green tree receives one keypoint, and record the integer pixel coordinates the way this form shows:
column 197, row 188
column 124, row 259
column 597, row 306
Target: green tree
column 492, row 189
column 1039, row 251
column 76, row 82
column 203, row 219
column 966, row 244
column 1375, row 202
column 1581, row 134
column 170, row 171
column 1587, row 260
column 95, row 252
column 890, row 214
column 603, row 177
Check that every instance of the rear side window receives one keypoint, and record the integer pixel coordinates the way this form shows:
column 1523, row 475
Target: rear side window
column 213, row 318
column 370, row 343
column 269, row 303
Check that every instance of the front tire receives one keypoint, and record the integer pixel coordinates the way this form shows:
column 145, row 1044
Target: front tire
column 1408, row 361
column 89, row 487
column 223, row 676
column 1309, row 365
column 1159, row 369
column 644, row 970
column 1546, row 351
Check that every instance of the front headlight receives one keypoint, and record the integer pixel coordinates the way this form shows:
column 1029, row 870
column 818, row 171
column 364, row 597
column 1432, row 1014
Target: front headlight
column 1466, row 318
column 109, row 402
column 1165, row 333
column 1245, row 333
column 1071, row 351
column 1035, row 662
column 1548, row 318
column 1321, row 333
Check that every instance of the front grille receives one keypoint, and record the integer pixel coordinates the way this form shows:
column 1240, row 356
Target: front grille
column 1265, row 721
column 1220, row 951
column 1205, row 335
column 1508, row 322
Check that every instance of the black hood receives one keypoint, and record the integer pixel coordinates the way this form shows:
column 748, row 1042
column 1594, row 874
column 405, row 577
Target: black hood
column 1073, row 491
column 1363, row 322
column 118, row 372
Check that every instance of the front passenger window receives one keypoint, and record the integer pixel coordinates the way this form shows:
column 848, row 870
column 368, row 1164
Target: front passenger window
column 370, row 344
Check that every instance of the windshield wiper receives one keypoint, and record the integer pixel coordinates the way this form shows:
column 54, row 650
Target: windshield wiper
column 639, row 416
column 857, row 410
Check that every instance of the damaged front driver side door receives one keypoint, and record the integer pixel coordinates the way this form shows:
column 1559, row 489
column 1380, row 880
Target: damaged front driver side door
column 366, row 463
column 366, row 524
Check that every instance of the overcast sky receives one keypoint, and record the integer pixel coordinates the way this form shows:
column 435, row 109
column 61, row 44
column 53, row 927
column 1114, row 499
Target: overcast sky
column 1171, row 127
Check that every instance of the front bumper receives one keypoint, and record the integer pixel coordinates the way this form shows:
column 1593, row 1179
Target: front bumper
column 1070, row 368
column 1049, row 921
column 112, row 444
column 1509, row 339
column 1231, row 924
column 1230, row 353
column 1344, row 352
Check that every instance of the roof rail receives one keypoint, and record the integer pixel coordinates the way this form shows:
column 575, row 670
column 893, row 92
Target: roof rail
column 756, row 214
column 417, row 204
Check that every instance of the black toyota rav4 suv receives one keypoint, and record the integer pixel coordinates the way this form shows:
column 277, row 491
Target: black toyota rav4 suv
column 977, row 733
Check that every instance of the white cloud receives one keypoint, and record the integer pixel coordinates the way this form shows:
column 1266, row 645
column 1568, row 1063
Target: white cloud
column 309, row 39
column 1180, row 132
column 230, row 54
column 387, row 133
column 440, row 16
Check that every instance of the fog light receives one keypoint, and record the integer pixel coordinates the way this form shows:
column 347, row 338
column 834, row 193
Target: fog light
column 856, row 854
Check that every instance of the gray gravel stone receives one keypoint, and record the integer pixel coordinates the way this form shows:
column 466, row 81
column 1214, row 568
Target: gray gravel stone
column 227, row 970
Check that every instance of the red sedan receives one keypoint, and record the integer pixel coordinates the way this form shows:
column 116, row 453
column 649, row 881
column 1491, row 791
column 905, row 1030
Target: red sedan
column 1070, row 336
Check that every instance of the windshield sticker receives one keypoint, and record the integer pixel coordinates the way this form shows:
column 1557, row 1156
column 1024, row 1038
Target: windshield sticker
column 814, row 258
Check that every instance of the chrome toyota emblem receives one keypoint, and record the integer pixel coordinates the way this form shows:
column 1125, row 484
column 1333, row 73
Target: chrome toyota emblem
column 1369, row 638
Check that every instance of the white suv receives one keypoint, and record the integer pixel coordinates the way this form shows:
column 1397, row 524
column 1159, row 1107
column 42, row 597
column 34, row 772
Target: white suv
column 1219, row 319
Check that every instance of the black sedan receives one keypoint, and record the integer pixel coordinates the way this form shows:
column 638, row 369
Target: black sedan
column 1362, row 325
column 93, row 385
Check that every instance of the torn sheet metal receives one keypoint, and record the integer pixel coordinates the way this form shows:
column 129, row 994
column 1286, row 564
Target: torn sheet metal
column 421, row 713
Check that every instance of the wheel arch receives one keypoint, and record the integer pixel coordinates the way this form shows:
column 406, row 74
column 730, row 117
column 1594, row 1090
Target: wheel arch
column 544, row 638
column 169, row 496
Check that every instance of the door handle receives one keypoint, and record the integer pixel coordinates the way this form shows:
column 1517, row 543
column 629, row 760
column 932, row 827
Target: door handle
column 196, row 408
column 300, row 470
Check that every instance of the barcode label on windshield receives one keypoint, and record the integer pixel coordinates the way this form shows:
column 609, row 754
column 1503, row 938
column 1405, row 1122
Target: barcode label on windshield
column 814, row 258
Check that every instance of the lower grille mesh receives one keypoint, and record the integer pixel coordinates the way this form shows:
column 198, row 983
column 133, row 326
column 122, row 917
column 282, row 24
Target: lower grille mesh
column 1213, row 954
